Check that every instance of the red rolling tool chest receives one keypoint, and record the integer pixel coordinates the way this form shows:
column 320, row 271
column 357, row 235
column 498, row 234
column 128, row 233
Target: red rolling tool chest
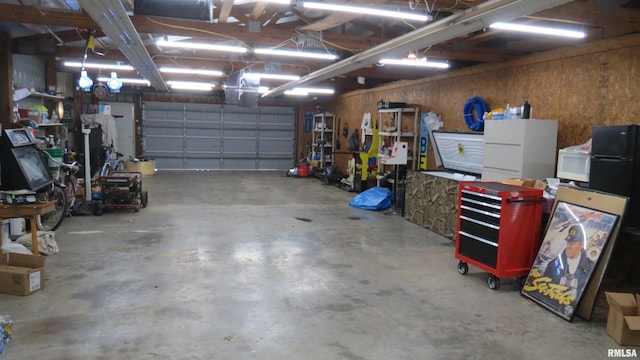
column 498, row 229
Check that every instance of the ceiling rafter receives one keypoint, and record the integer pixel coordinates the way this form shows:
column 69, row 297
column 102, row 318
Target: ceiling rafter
column 267, row 18
column 225, row 11
column 60, row 33
column 258, row 9
column 156, row 25
column 277, row 17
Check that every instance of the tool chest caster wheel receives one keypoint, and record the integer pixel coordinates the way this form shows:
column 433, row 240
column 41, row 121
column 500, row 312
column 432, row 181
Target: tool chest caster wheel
column 463, row 268
column 493, row 282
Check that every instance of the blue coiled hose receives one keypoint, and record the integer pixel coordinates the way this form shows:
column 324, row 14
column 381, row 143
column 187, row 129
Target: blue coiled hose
column 475, row 103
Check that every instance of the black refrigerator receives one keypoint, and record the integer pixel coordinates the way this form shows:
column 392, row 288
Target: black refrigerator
column 615, row 165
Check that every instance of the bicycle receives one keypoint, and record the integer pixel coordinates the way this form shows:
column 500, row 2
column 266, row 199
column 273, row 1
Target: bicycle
column 63, row 192
column 112, row 162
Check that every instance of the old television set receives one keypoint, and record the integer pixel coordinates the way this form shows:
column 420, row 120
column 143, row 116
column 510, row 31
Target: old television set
column 21, row 162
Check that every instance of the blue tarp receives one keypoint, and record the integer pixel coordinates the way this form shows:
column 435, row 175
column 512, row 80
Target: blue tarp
column 377, row 198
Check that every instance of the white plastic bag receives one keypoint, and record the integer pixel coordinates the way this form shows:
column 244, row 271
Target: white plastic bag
column 46, row 242
column 16, row 249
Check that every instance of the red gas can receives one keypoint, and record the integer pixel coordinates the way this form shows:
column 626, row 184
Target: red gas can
column 303, row 170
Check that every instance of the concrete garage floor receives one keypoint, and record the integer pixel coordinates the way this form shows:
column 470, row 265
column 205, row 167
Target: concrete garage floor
column 219, row 267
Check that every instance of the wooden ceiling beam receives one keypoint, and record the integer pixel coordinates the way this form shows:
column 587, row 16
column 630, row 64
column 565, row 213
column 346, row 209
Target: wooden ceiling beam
column 268, row 35
column 225, row 11
column 34, row 15
column 258, row 9
column 157, row 25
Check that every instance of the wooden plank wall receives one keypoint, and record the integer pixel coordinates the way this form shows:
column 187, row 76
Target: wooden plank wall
column 583, row 86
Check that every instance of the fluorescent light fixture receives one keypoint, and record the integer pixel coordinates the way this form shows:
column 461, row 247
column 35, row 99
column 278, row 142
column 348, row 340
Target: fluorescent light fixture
column 271, row 76
column 367, row 11
column 417, row 63
column 201, row 46
column 315, row 90
column 538, row 30
column 191, row 71
column 296, row 92
column 293, row 53
column 85, row 82
column 190, row 85
column 282, row 2
column 307, row 91
column 98, row 65
column 127, row 80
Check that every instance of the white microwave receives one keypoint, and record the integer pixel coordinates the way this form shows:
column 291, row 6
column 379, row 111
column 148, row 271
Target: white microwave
column 573, row 165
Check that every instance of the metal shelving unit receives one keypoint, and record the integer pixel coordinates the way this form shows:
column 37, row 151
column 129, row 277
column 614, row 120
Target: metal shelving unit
column 322, row 141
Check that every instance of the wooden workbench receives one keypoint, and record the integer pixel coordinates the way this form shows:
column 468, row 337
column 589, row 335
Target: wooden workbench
column 29, row 211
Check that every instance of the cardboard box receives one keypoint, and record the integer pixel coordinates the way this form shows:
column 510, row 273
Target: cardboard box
column 315, row 163
column 623, row 322
column 525, row 182
column 36, row 116
column 147, row 168
column 21, row 274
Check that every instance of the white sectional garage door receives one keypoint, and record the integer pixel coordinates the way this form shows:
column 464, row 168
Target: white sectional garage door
column 183, row 136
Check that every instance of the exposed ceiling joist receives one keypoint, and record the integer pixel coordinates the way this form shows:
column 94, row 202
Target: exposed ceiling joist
column 225, row 11
column 58, row 29
column 456, row 25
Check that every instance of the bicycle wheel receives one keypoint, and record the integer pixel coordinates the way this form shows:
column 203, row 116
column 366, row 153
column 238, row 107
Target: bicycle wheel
column 52, row 220
column 71, row 192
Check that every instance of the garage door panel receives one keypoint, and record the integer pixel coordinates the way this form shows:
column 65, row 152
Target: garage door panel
column 203, row 125
column 203, row 117
column 203, row 144
column 218, row 137
column 199, row 132
column 168, row 163
column 162, row 124
column 162, row 106
column 152, row 114
column 195, row 154
column 274, row 145
column 164, row 131
column 238, row 133
column 165, row 115
column 246, row 145
column 163, row 143
column 240, row 118
column 239, row 126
